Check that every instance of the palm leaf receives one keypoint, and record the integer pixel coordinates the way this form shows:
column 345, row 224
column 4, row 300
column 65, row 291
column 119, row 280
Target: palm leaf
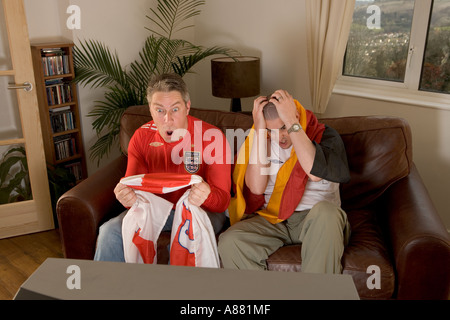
column 169, row 51
column 157, row 57
column 103, row 145
column 23, row 192
column 107, row 116
column 6, row 165
column 9, row 159
column 14, row 184
column 96, row 66
column 109, row 112
column 170, row 14
column 183, row 64
column 153, row 60
column 163, row 55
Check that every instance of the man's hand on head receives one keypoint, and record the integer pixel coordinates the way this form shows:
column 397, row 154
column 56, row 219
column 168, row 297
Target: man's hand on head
column 287, row 110
column 258, row 116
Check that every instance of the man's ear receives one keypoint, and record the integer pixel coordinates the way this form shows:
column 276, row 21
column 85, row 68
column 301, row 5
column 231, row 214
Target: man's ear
column 150, row 109
column 188, row 107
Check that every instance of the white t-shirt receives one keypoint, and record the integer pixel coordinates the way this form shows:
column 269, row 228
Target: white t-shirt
column 314, row 191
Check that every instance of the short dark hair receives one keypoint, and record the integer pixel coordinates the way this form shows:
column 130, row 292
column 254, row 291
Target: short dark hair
column 270, row 111
column 166, row 83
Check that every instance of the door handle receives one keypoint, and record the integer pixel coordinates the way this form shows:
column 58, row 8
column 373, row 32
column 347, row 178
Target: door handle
column 25, row 86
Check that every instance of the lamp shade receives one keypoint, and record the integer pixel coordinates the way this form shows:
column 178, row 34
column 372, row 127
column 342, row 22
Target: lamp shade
column 237, row 77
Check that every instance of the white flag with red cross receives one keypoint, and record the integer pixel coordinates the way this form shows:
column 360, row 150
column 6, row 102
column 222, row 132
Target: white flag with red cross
column 193, row 241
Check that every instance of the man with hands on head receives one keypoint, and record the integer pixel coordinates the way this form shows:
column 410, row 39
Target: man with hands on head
column 152, row 150
column 287, row 190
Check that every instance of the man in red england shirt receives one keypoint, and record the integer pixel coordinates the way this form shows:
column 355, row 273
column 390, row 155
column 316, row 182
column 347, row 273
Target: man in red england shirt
column 173, row 142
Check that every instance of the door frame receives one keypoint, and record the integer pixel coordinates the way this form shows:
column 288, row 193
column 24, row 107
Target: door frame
column 34, row 215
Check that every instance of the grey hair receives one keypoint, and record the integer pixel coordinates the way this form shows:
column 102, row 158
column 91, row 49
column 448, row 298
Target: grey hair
column 166, row 83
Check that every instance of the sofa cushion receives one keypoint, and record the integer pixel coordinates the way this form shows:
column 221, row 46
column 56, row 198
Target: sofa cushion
column 287, row 259
column 366, row 248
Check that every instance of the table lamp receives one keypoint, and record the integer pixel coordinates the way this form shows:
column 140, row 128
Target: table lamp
column 235, row 78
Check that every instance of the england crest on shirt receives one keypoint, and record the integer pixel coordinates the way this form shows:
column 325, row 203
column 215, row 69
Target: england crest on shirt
column 192, row 161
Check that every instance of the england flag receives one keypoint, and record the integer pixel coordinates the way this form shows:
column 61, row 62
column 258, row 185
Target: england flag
column 193, row 242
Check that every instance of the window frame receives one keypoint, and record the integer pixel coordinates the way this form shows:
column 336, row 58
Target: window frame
column 407, row 92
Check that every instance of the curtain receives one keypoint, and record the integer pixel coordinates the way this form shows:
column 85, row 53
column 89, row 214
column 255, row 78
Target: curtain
column 328, row 26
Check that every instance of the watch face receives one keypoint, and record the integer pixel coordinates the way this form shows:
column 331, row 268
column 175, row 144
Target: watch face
column 294, row 128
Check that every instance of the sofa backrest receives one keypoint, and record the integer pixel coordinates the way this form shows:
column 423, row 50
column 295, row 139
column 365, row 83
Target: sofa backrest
column 379, row 149
column 379, row 153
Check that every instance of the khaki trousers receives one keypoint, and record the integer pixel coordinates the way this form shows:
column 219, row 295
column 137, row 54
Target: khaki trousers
column 323, row 232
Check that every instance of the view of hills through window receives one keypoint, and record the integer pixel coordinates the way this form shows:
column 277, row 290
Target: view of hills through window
column 379, row 39
column 379, row 43
column 436, row 67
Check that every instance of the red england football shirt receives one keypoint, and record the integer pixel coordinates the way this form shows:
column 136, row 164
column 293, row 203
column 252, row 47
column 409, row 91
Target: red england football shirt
column 203, row 151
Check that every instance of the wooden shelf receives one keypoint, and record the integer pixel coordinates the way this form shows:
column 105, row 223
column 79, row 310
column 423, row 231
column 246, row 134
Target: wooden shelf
column 58, row 106
column 65, row 75
column 75, row 157
column 58, row 134
column 49, row 65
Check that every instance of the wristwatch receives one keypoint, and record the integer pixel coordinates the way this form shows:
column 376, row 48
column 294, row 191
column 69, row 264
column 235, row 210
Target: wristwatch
column 296, row 127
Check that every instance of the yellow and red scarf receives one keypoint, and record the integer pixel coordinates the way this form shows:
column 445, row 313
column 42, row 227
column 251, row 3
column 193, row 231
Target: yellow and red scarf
column 290, row 182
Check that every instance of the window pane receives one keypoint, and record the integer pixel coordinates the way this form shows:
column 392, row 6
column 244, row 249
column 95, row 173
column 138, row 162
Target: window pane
column 10, row 122
column 5, row 56
column 436, row 67
column 379, row 39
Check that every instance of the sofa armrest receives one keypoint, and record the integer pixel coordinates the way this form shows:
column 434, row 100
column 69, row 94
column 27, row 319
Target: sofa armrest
column 82, row 209
column 421, row 244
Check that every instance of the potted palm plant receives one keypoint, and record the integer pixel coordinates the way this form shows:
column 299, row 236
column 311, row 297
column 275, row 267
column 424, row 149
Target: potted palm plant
column 96, row 66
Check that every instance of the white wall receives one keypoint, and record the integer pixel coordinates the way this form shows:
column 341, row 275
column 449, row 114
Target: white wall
column 46, row 19
column 271, row 30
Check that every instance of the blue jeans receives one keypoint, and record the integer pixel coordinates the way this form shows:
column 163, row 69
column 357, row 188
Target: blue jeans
column 110, row 243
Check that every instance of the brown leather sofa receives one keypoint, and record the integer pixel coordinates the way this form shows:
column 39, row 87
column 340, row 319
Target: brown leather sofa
column 394, row 223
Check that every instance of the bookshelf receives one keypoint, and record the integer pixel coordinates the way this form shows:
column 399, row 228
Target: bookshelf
column 58, row 106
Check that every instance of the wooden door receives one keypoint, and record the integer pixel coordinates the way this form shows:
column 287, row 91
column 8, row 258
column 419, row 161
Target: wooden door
column 25, row 205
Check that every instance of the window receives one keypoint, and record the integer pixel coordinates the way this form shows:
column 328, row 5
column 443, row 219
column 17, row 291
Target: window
column 379, row 40
column 436, row 66
column 401, row 44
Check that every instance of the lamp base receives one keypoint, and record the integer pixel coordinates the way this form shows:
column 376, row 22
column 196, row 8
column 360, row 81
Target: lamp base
column 235, row 105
